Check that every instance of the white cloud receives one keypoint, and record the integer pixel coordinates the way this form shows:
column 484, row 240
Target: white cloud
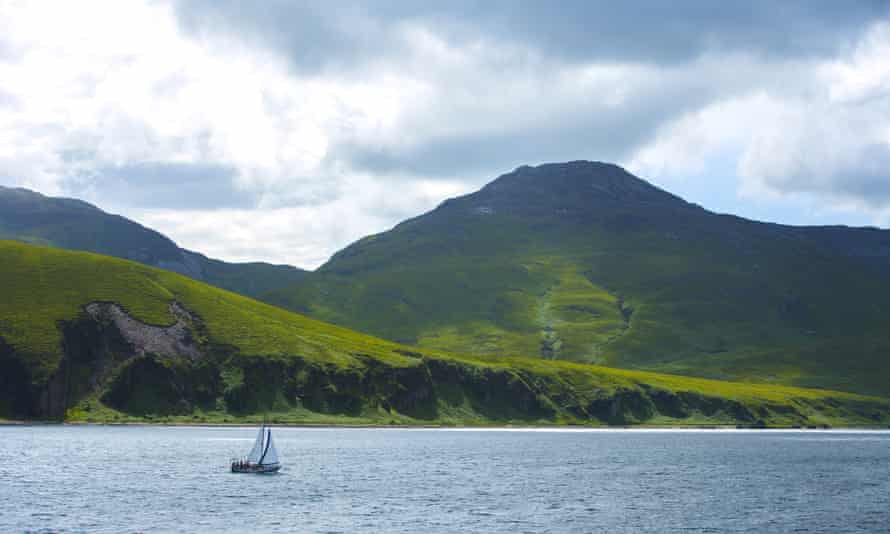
column 119, row 81
column 300, row 235
column 864, row 74
column 97, row 85
column 685, row 145
column 823, row 134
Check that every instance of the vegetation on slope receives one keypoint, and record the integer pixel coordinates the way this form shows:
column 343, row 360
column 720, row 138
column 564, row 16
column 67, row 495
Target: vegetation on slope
column 585, row 262
column 79, row 334
column 72, row 224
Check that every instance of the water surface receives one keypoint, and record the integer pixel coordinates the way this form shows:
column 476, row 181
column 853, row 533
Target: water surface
column 129, row 479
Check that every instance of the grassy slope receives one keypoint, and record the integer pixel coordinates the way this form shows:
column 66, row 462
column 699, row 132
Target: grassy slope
column 42, row 288
column 658, row 285
column 249, row 279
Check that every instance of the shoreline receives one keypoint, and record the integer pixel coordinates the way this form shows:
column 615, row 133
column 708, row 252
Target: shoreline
column 494, row 427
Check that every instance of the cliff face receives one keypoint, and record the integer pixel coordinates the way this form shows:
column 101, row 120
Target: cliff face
column 97, row 343
column 16, row 395
column 140, row 369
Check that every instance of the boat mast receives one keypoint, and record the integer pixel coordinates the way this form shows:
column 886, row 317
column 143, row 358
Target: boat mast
column 262, row 443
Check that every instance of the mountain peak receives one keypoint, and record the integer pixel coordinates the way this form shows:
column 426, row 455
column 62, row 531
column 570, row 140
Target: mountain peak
column 565, row 188
column 590, row 179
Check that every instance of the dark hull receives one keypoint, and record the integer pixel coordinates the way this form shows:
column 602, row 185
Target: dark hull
column 256, row 469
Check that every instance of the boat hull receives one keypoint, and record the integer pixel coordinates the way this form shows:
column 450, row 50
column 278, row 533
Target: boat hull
column 256, row 469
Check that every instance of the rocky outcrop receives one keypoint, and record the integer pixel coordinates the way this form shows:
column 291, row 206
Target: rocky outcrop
column 173, row 340
column 98, row 342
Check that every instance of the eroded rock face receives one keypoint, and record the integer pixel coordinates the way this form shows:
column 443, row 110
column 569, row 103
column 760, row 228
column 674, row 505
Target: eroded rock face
column 173, row 340
column 104, row 337
column 16, row 395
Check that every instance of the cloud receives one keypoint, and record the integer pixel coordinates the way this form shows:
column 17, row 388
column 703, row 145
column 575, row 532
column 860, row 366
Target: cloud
column 349, row 32
column 166, row 186
column 543, row 110
column 840, row 153
column 836, row 143
column 303, row 235
column 121, row 83
column 820, row 130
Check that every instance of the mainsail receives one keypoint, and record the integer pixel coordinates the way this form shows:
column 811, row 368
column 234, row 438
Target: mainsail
column 257, row 451
column 270, row 456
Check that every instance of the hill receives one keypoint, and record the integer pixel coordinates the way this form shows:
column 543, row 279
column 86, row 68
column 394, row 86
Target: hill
column 91, row 337
column 76, row 225
column 585, row 262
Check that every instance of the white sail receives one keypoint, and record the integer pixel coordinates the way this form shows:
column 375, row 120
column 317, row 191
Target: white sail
column 257, row 451
column 271, row 456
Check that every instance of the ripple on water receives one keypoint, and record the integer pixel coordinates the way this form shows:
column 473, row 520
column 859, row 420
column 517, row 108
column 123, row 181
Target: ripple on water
column 112, row 479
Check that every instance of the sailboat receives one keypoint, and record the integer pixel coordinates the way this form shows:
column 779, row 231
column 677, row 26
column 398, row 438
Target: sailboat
column 263, row 458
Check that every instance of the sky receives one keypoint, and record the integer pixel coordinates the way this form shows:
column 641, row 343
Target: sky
column 283, row 131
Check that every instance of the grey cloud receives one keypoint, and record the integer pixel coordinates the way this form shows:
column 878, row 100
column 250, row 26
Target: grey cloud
column 346, row 35
column 864, row 177
column 316, row 36
column 586, row 134
column 579, row 126
column 194, row 186
column 665, row 31
column 311, row 34
column 165, row 185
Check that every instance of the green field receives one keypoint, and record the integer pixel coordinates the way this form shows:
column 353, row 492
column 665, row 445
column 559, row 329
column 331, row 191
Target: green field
column 254, row 359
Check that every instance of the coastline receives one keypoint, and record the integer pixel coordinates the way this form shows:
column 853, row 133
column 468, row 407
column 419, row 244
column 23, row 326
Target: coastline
column 492, row 427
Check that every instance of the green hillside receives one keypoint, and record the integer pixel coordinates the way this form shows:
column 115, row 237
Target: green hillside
column 76, row 225
column 90, row 337
column 585, row 262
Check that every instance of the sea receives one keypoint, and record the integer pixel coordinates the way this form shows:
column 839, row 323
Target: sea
column 343, row 480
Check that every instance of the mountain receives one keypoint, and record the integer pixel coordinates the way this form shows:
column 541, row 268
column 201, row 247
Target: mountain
column 87, row 337
column 73, row 224
column 583, row 261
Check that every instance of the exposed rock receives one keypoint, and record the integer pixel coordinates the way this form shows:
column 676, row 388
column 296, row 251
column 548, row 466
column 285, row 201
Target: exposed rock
column 98, row 342
column 173, row 340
